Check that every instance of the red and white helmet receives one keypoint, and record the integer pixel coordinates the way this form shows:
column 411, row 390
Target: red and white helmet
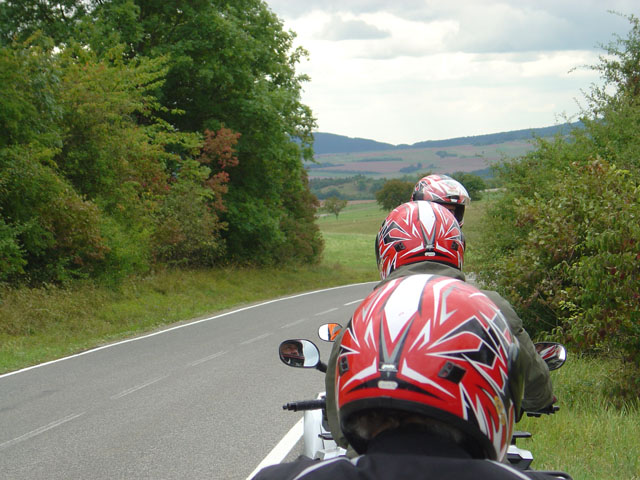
column 418, row 232
column 437, row 347
column 444, row 190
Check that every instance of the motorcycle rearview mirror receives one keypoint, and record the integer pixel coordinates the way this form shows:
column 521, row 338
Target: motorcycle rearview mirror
column 329, row 331
column 554, row 354
column 299, row 353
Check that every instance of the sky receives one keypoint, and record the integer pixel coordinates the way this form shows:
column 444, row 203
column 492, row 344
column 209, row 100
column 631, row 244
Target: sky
column 405, row 71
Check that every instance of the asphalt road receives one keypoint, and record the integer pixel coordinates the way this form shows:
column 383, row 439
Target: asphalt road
column 201, row 400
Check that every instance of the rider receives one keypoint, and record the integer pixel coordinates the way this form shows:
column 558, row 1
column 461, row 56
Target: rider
column 428, row 386
column 444, row 190
column 291, row 353
column 424, row 237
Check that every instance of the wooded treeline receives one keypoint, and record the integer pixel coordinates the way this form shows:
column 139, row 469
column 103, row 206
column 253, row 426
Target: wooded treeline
column 138, row 133
column 563, row 242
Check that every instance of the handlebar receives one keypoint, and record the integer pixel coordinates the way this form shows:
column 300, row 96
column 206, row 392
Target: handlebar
column 305, row 405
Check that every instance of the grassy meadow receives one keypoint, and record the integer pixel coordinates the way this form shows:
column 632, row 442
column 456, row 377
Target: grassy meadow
column 592, row 436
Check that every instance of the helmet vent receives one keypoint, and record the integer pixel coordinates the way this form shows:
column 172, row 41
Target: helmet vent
column 343, row 365
column 452, row 372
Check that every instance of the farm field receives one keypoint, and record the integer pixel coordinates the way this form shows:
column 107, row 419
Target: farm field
column 395, row 163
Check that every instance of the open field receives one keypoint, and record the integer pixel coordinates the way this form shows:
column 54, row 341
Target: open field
column 396, row 163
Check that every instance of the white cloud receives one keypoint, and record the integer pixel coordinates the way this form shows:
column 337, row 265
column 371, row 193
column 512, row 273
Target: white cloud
column 415, row 70
column 338, row 29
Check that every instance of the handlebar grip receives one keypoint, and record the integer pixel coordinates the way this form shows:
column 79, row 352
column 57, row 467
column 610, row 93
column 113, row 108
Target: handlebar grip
column 304, row 405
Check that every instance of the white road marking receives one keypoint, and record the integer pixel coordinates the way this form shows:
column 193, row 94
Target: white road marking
column 355, row 301
column 282, row 449
column 138, row 387
column 184, row 325
column 40, row 430
column 255, row 339
column 206, row 359
column 294, row 323
column 326, row 311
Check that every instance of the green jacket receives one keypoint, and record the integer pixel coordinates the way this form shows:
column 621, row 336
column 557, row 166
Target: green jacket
column 538, row 391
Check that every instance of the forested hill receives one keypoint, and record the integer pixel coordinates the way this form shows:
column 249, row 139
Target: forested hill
column 332, row 143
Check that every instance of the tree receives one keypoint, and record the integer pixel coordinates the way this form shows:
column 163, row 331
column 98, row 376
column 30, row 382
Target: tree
column 132, row 89
column 393, row 193
column 474, row 184
column 56, row 19
column 230, row 64
column 334, row 205
column 48, row 232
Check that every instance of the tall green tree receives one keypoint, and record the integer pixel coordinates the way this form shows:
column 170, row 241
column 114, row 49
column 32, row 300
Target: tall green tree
column 230, row 64
column 47, row 231
column 56, row 20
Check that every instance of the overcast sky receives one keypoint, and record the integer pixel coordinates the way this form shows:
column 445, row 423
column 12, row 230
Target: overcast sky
column 404, row 71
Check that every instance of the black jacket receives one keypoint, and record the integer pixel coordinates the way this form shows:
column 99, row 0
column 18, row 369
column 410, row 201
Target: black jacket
column 400, row 455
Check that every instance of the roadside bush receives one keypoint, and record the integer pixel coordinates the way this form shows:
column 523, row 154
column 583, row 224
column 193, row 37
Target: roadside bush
column 58, row 232
column 11, row 254
column 602, row 303
column 187, row 231
column 570, row 262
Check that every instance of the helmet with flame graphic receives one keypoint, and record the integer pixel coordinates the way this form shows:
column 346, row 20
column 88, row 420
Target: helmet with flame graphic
column 437, row 347
column 444, row 190
column 418, row 232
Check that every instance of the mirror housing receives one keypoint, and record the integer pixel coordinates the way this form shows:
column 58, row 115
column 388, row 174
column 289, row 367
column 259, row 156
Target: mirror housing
column 329, row 331
column 554, row 354
column 299, row 353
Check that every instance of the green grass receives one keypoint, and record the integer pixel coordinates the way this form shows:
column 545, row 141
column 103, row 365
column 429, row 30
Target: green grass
column 472, row 225
column 350, row 238
column 592, row 436
column 362, row 218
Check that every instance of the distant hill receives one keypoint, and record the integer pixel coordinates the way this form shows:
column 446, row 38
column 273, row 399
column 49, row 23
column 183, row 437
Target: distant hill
column 331, row 143
column 328, row 143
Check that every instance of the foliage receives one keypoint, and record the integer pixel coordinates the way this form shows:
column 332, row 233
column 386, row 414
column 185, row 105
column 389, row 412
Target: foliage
column 562, row 240
column 174, row 131
column 393, row 193
column 56, row 232
column 474, row 184
column 230, row 64
column 187, row 231
column 334, row 205
column 56, row 19
column 49, row 232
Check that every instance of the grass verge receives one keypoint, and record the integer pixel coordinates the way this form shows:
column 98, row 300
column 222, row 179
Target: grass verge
column 591, row 436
